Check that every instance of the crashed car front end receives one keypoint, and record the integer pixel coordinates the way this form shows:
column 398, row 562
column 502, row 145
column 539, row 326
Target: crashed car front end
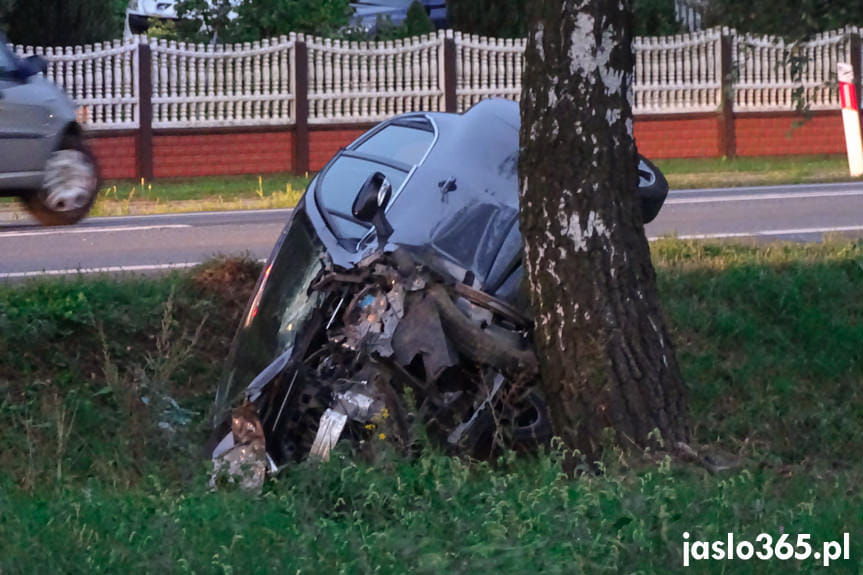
column 355, row 332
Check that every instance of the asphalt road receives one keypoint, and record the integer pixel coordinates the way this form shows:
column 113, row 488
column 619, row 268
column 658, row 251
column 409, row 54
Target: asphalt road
column 164, row 242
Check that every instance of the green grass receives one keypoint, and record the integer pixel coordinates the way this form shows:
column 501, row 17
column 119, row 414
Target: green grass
column 122, row 197
column 770, row 340
column 203, row 188
column 767, row 171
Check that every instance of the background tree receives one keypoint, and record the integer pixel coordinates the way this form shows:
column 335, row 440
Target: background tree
column 418, row 22
column 499, row 18
column 60, row 22
column 607, row 361
column 508, row 18
column 793, row 19
column 256, row 19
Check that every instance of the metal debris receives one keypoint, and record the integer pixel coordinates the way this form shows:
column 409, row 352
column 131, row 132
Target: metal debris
column 242, row 456
column 386, row 329
column 329, row 430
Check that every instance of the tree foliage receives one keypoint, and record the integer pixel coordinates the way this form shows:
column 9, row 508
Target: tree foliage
column 60, row 22
column 498, row 18
column 5, row 11
column 655, row 18
column 508, row 18
column 788, row 18
column 256, row 19
column 418, row 21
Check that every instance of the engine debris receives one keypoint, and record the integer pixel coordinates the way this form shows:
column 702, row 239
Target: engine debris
column 389, row 342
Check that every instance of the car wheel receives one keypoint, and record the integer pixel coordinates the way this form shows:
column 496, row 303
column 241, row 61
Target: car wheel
column 652, row 189
column 69, row 187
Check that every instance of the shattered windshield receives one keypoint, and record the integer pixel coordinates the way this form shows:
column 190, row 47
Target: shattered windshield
column 279, row 306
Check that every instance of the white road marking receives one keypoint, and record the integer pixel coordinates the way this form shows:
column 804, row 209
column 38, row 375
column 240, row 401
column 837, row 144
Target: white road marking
column 86, row 230
column 105, row 270
column 214, row 213
column 762, row 197
column 767, row 233
column 776, row 187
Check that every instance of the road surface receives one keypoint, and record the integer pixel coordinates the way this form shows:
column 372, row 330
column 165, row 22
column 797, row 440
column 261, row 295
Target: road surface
column 164, row 242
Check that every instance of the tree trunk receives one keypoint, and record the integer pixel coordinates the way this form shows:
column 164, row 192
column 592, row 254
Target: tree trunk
column 605, row 353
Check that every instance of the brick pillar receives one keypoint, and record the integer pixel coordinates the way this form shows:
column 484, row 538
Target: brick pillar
column 727, row 137
column 301, row 109
column 450, row 78
column 854, row 46
column 144, row 146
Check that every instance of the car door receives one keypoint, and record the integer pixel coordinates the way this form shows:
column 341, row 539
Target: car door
column 25, row 120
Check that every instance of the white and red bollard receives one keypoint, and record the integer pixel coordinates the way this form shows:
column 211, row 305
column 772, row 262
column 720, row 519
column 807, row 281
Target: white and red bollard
column 851, row 119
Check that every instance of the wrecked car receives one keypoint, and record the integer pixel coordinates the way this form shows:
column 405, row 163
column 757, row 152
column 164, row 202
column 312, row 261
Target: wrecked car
column 395, row 295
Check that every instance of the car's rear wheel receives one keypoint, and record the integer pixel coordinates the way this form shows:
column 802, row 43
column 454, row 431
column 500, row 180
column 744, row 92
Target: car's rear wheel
column 69, row 187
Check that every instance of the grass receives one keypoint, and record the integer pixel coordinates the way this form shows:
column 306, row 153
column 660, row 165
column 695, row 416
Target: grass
column 209, row 193
column 766, row 171
column 123, row 197
column 770, row 340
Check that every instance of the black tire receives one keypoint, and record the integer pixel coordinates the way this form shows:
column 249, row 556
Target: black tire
column 37, row 201
column 652, row 189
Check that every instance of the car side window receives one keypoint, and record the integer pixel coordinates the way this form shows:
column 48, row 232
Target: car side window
column 340, row 185
column 399, row 143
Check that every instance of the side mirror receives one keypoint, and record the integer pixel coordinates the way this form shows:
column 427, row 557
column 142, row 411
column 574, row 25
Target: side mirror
column 652, row 189
column 373, row 197
column 371, row 202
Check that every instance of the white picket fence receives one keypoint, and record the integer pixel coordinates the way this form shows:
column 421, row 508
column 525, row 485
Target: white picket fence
column 197, row 86
column 487, row 68
column 775, row 76
column 103, row 77
column 254, row 84
column 371, row 81
column 678, row 73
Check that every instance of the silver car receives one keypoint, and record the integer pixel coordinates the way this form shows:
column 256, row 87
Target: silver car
column 43, row 158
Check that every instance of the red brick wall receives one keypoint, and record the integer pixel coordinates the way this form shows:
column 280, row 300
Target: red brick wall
column 116, row 155
column 222, row 153
column 775, row 134
column 670, row 137
column 324, row 143
column 260, row 152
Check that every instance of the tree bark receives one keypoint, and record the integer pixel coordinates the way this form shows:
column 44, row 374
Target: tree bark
column 606, row 358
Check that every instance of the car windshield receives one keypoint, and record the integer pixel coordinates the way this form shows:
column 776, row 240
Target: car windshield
column 281, row 305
